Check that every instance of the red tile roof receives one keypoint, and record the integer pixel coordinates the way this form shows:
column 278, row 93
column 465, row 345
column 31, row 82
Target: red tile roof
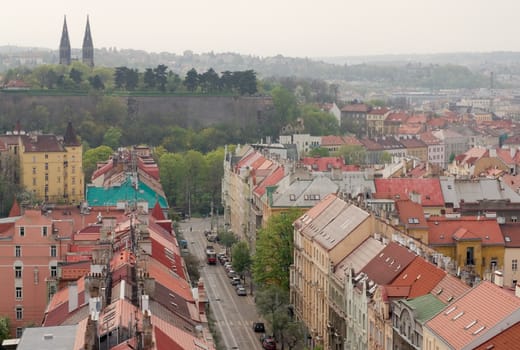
column 474, row 314
column 332, row 140
column 270, row 180
column 324, row 163
column 419, row 277
column 429, row 189
column 429, row 138
column 41, row 143
column 15, row 209
column 449, row 289
column 511, row 234
column 164, row 276
column 388, row 264
column 397, row 117
column 157, row 212
column 413, row 143
column 163, row 341
column 356, row 107
column 505, row 340
column 445, row 231
column 411, row 214
column 103, row 169
column 379, row 111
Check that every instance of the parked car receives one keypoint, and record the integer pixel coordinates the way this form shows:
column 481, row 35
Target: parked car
column 235, row 281
column 268, row 342
column 259, row 327
column 241, row 291
column 231, row 274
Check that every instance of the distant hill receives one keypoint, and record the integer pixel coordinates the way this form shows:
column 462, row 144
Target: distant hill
column 472, row 70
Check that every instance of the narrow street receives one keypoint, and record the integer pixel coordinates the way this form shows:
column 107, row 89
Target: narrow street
column 234, row 315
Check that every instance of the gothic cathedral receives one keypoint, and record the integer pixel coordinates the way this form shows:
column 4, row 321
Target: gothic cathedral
column 87, row 49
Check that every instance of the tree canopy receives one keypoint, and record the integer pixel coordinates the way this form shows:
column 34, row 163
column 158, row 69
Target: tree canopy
column 274, row 250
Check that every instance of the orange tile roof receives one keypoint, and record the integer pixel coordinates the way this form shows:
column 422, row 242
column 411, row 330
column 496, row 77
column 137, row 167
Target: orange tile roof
column 270, row 180
column 324, row 163
column 356, row 107
column 388, row 264
column 429, row 138
column 169, row 280
column 397, row 117
column 474, row 314
column 409, row 211
column 332, row 140
column 449, row 289
column 505, row 340
column 429, row 189
column 420, row 277
column 445, row 231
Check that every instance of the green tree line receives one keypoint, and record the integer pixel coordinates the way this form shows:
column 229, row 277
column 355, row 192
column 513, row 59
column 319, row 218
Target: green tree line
column 80, row 77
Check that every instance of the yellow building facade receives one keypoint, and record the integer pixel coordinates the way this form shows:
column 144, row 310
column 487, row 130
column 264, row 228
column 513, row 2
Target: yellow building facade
column 52, row 169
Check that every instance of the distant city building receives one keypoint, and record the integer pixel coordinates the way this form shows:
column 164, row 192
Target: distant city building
column 87, row 48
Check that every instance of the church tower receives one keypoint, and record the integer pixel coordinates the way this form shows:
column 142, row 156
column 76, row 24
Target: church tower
column 88, row 47
column 65, row 44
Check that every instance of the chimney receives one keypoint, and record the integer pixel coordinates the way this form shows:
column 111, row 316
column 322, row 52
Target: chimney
column 499, row 278
column 73, row 296
column 147, row 331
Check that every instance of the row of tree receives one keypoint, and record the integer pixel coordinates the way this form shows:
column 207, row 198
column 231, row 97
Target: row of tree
column 78, row 76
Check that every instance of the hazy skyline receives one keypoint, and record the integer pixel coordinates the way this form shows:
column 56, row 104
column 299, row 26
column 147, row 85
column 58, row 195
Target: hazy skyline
column 302, row 28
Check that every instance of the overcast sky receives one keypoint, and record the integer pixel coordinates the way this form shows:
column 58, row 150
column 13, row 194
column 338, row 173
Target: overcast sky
column 299, row 28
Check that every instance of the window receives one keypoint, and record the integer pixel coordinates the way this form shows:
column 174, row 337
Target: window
column 292, row 197
column 21, row 229
column 73, row 169
column 34, row 170
column 34, row 181
column 18, row 293
column 46, row 166
column 54, row 271
column 53, row 250
column 73, row 180
column 494, row 263
column 469, row 256
column 44, row 231
column 19, row 332
column 18, row 251
column 46, row 177
column 17, row 272
column 514, row 264
column 46, row 156
column 19, row 313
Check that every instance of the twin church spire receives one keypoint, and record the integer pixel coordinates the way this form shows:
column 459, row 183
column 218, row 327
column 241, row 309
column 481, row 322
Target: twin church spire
column 87, row 49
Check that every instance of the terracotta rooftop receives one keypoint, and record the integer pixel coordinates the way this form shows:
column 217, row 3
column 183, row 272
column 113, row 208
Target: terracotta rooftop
column 396, row 117
column 445, row 231
column 449, row 289
column 42, row 143
column 413, row 143
column 429, row 189
column 411, row 214
column 429, row 138
column 356, row 107
column 479, row 311
column 507, row 339
column 388, row 264
column 270, row 180
column 417, row 279
column 511, row 234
